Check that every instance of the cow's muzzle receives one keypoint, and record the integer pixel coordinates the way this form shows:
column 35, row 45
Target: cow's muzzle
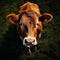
column 29, row 41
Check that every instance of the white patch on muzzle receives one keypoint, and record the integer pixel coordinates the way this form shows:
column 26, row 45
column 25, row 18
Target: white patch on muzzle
column 32, row 40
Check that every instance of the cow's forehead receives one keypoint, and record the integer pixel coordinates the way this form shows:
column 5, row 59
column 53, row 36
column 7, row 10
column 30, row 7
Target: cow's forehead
column 27, row 18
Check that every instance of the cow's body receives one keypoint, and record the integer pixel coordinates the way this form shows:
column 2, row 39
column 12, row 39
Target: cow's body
column 29, row 23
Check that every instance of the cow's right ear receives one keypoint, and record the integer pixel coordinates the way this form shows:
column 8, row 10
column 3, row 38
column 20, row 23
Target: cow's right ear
column 13, row 18
column 46, row 17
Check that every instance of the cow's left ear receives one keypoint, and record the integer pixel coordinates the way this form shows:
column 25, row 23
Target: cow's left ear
column 13, row 18
column 46, row 17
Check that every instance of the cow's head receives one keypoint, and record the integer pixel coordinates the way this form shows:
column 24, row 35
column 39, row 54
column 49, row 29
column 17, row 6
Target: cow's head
column 29, row 22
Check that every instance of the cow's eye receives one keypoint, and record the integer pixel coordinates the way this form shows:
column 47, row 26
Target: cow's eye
column 37, row 24
column 20, row 23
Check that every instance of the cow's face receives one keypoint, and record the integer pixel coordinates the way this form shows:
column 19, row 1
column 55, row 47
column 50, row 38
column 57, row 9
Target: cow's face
column 29, row 28
column 29, row 25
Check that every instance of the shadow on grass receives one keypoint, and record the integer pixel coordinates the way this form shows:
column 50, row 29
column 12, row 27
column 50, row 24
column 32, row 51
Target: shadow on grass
column 12, row 47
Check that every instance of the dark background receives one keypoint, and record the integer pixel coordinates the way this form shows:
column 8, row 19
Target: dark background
column 49, row 44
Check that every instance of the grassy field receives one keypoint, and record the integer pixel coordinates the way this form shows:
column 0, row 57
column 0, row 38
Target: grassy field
column 49, row 44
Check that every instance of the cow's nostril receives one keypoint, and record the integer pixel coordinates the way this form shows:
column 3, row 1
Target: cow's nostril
column 26, row 41
column 33, row 40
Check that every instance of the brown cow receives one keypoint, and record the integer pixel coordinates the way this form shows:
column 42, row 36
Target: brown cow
column 29, row 23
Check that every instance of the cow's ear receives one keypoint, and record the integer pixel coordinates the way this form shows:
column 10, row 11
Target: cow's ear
column 13, row 18
column 45, row 18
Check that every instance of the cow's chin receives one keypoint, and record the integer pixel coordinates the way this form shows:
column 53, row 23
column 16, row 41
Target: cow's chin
column 29, row 41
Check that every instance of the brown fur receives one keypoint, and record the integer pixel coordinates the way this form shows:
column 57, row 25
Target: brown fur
column 29, row 13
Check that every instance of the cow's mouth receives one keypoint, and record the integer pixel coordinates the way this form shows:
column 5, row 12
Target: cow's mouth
column 30, row 43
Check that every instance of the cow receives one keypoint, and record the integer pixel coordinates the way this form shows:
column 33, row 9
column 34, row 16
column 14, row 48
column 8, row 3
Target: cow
column 29, row 22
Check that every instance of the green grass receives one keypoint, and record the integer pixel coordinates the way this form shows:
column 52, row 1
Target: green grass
column 49, row 44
